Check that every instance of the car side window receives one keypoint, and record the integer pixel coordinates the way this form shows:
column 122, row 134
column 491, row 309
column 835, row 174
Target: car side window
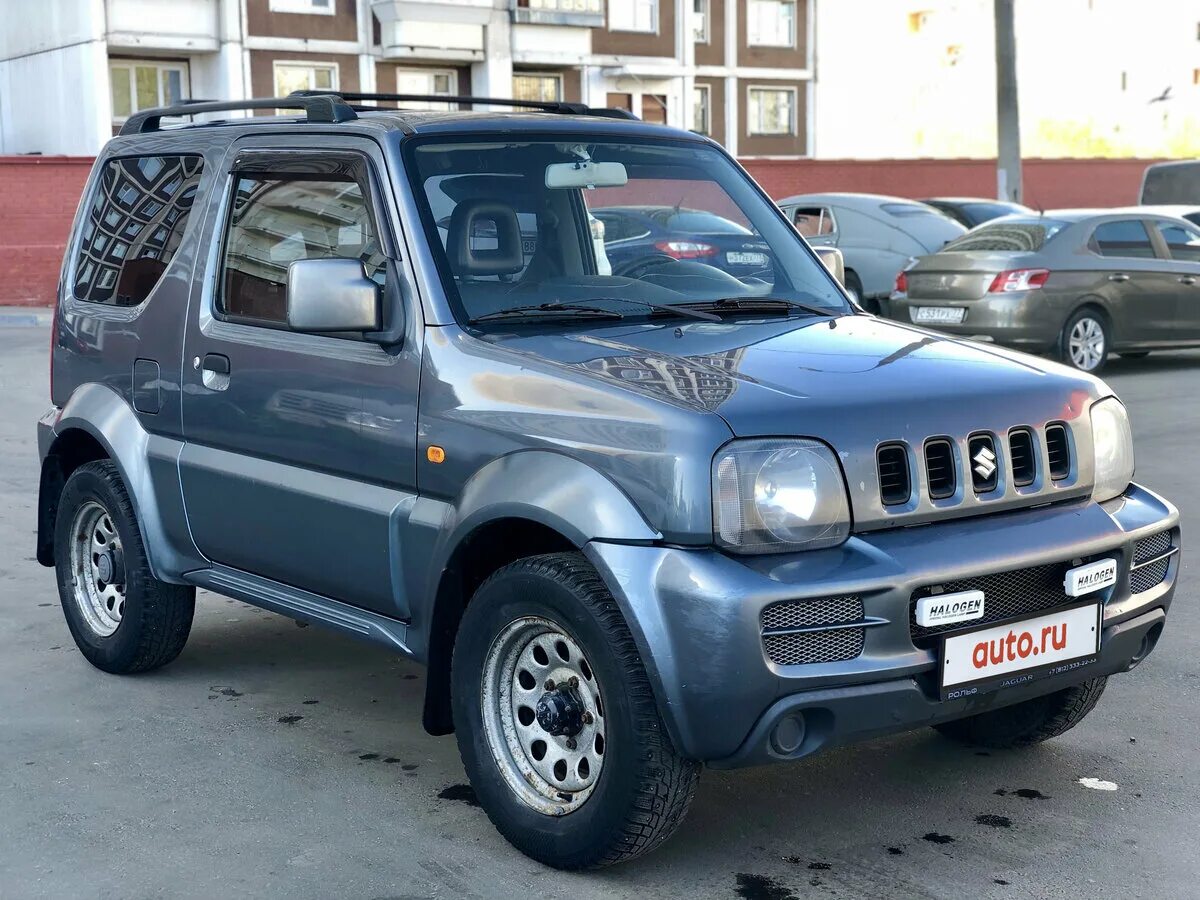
column 1182, row 241
column 133, row 227
column 814, row 221
column 276, row 220
column 1125, row 238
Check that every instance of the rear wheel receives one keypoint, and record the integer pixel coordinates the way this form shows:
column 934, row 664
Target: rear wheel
column 1085, row 341
column 854, row 288
column 1028, row 723
column 556, row 722
column 122, row 618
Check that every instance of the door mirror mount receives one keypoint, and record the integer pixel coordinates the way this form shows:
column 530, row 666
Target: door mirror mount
column 331, row 295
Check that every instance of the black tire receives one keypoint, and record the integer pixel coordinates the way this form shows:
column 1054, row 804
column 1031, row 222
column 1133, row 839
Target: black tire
column 1134, row 354
column 156, row 617
column 1077, row 319
column 854, row 287
column 643, row 789
column 1028, row 723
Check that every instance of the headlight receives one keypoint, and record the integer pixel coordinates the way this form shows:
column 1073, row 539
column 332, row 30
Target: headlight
column 1112, row 440
column 775, row 495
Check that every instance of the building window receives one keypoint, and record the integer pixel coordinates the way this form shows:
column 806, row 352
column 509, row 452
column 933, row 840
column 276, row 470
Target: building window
column 771, row 111
column 772, row 23
column 533, row 86
column 700, row 21
column 142, row 84
column 633, row 15
column 301, row 76
column 133, row 227
column 701, row 109
column 428, row 83
column 318, row 7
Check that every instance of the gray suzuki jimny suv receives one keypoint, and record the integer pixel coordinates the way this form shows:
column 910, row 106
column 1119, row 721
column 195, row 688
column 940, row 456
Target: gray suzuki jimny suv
column 558, row 403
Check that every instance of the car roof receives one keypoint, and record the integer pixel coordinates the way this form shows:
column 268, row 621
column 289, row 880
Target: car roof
column 851, row 198
column 964, row 200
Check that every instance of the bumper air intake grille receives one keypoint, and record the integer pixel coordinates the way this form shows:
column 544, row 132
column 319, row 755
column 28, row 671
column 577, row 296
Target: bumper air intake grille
column 1024, row 459
column 1058, row 448
column 1007, row 595
column 939, row 468
column 895, row 486
column 1151, row 560
column 801, row 632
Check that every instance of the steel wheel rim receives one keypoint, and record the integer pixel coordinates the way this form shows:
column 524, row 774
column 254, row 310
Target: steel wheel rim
column 97, row 569
column 529, row 654
column 1086, row 344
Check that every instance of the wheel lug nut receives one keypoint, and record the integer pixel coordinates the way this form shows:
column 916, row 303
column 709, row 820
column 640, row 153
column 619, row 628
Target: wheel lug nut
column 570, row 743
column 549, row 684
column 573, row 682
column 587, row 718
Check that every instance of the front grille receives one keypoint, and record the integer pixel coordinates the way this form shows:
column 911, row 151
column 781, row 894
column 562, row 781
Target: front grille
column 786, row 647
column 1007, row 595
column 1022, row 456
column 985, row 466
column 894, row 484
column 1151, row 560
column 1058, row 449
column 939, row 468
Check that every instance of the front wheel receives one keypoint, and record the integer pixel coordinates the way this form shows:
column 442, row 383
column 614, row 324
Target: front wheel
column 1030, row 722
column 1085, row 341
column 556, row 721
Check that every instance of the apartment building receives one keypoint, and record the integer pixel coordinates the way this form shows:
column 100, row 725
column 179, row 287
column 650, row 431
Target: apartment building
column 741, row 71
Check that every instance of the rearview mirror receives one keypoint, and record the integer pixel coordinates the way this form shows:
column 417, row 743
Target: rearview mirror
column 834, row 262
column 331, row 295
column 586, row 174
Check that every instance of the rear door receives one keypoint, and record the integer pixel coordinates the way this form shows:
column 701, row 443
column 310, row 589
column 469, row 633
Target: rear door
column 299, row 459
column 1181, row 242
column 1138, row 284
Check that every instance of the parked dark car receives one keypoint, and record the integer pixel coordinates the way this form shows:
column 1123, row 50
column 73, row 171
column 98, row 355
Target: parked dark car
column 639, row 236
column 1076, row 283
column 633, row 524
column 972, row 211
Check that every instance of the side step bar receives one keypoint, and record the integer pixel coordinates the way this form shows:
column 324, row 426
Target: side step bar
column 299, row 604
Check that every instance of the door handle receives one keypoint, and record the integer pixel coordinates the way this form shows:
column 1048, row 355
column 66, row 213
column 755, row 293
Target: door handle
column 1187, row 279
column 214, row 372
column 1118, row 276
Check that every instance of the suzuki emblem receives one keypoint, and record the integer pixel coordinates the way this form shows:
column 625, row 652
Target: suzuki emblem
column 985, row 463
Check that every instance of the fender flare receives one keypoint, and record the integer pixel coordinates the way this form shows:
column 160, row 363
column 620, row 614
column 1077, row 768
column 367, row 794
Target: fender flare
column 102, row 413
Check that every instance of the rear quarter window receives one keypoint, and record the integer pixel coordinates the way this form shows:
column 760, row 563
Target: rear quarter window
column 133, row 226
column 1006, row 237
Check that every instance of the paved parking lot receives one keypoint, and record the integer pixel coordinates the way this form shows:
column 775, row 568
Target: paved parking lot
column 271, row 760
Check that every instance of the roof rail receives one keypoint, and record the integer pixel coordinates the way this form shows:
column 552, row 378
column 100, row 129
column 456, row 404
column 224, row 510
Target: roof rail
column 319, row 108
column 561, row 107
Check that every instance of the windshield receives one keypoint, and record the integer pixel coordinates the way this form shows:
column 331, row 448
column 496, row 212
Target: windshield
column 1009, row 236
column 615, row 225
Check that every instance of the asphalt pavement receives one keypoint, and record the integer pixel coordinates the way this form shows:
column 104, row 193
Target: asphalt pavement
column 275, row 761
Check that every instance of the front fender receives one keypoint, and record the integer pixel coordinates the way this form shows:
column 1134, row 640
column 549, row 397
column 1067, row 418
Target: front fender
column 149, row 466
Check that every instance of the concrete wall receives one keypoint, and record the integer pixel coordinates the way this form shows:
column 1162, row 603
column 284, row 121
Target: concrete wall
column 38, row 197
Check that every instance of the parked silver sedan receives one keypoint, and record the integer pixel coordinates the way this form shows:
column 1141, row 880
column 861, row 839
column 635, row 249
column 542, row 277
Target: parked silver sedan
column 1077, row 283
column 877, row 235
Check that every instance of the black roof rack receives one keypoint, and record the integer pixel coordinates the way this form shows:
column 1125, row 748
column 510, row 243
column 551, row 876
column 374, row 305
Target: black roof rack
column 561, row 107
column 319, row 108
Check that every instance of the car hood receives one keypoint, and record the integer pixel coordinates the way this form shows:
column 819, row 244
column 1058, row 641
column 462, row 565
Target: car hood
column 854, row 382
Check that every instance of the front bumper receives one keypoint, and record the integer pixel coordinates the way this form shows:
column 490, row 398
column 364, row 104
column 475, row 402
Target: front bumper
column 695, row 615
column 1021, row 319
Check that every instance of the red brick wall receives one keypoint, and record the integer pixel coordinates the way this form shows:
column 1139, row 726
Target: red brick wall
column 1048, row 183
column 38, row 196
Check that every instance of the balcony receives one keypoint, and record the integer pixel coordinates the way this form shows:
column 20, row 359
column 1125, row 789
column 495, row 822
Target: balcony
column 585, row 13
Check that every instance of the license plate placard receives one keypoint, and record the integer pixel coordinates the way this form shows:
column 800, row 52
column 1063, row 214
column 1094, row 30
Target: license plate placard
column 946, row 315
column 1017, row 652
column 736, row 258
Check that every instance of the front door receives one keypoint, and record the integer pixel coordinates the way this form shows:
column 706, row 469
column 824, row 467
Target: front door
column 299, row 460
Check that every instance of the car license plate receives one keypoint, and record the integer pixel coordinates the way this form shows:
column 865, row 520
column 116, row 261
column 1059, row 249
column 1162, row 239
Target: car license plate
column 1007, row 655
column 948, row 315
column 746, row 259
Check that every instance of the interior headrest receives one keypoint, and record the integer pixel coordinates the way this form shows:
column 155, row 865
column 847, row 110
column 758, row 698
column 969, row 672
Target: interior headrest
column 484, row 238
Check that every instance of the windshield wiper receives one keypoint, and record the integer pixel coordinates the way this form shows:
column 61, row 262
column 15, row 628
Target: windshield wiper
column 559, row 309
column 739, row 304
column 680, row 309
column 583, row 306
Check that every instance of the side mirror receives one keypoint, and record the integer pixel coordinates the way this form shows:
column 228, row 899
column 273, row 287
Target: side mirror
column 834, row 262
column 331, row 295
